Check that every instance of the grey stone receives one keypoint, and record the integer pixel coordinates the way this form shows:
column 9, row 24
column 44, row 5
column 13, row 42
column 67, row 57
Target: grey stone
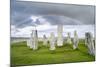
column 52, row 41
column 45, row 40
column 75, row 40
column 89, row 42
column 69, row 39
column 60, row 36
column 31, row 40
column 35, row 40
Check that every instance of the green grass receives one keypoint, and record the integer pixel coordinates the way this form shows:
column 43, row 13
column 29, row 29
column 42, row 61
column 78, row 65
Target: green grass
column 23, row 55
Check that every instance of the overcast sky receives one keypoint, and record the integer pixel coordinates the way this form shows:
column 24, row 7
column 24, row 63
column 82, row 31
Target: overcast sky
column 46, row 17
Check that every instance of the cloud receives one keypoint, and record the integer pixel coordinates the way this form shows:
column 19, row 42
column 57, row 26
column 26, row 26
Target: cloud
column 21, row 32
column 55, row 19
column 46, row 17
column 67, row 14
column 47, row 29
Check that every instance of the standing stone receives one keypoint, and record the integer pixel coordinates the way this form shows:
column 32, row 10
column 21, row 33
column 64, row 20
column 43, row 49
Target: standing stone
column 31, row 40
column 52, row 42
column 90, row 43
column 86, row 39
column 60, row 36
column 75, row 40
column 45, row 40
column 35, row 40
column 28, row 42
column 69, row 39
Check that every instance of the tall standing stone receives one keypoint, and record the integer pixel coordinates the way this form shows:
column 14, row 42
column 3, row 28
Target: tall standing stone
column 90, row 43
column 75, row 40
column 69, row 39
column 86, row 39
column 31, row 40
column 52, row 41
column 45, row 40
column 60, row 36
column 35, row 40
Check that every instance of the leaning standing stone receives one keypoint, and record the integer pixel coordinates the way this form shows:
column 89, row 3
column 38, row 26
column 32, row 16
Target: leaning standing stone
column 89, row 43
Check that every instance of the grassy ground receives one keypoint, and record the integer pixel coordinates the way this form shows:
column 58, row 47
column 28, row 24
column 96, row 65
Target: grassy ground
column 23, row 55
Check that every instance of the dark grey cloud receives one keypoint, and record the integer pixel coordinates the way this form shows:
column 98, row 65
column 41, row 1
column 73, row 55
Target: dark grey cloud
column 55, row 19
column 66, row 14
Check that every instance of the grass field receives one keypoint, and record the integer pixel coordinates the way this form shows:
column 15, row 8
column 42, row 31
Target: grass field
column 23, row 55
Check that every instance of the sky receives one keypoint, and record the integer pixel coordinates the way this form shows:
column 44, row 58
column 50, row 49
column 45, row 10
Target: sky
column 46, row 16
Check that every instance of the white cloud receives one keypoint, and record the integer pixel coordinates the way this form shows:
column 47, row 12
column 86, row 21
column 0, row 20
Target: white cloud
column 21, row 32
column 34, row 18
column 81, row 29
column 47, row 29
